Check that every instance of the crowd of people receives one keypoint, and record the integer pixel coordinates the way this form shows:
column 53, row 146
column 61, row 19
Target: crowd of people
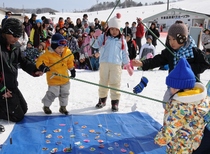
column 107, row 46
column 81, row 38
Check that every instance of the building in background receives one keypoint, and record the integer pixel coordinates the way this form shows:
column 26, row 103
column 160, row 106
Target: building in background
column 166, row 18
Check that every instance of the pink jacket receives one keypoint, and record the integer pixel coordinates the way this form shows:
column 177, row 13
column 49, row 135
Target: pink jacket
column 87, row 49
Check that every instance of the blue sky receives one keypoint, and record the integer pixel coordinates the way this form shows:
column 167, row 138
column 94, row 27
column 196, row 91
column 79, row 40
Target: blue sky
column 59, row 5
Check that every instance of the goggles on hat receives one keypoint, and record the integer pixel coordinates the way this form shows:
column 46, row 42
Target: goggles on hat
column 62, row 42
column 13, row 34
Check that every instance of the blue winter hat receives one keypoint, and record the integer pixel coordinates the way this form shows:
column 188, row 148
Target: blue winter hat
column 182, row 76
column 39, row 21
column 58, row 40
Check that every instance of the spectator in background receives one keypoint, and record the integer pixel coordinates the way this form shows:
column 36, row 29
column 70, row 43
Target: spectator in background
column 23, row 39
column 36, row 33
column 43, row 18
column 27, row 26
column 69, row 22
column 132, row 47
column 133, row 31
column 127, row 30
column 62, row 31
column 86, row 27
column 61, row 22
column 78, row 25
column 205, row 39
column 85, row 19
column 153, row 31
column 72, row 42
column 147, row 48
column 32, row 20
column 97, row 24
column 7, row 15
column 45, row 26
column 139, row 32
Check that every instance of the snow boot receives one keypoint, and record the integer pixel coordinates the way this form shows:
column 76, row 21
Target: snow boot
column 63, row 110
column 101, row 103
column 2, row 129
column 47, row 110
column 115, row 105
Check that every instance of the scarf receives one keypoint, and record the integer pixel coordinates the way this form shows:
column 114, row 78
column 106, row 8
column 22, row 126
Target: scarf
column 185, row 51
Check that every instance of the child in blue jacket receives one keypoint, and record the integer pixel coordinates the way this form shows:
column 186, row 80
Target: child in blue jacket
column 113, row 54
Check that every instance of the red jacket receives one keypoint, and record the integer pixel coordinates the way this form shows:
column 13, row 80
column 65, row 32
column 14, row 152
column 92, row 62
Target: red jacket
column 140, row 31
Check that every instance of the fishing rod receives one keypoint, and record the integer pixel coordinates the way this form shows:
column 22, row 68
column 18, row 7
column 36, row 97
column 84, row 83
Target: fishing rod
column 107, row 87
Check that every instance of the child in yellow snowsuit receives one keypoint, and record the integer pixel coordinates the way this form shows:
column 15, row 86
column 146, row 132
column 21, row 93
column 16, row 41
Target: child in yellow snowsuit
column 57, row 86
column 183, row 125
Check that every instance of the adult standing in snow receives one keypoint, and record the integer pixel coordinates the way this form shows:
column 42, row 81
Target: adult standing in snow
column 127, row 30
column 36, row 33
column 8, row 14
column 139, row 32
column 10, row 58
column 32, row 20
column 133, row 30
column 153, row 31
column 85, row 19
column 27, row 25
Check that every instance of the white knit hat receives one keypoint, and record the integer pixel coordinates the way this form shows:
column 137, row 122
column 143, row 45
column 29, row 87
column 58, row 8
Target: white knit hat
column 115, row 22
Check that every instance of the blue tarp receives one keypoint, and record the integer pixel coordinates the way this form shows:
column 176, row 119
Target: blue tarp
column 87, row 134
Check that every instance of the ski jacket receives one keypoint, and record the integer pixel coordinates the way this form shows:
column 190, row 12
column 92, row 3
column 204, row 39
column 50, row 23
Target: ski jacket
column 183, row 125
column 73, row 44
column 35, row 36
column 127, row 30
column 154, row 31
column 12, row 60
column 140, row 30
column 111, row 51
column 32, row 54
column 133, row 30
column 49, row 58
column 27, row 28
column 145, row 49
column 205, row 39
column 132, row 48
column 23, row 41
column 87, row 49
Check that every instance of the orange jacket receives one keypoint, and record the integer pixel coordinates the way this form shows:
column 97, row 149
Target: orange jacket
column 51, row 57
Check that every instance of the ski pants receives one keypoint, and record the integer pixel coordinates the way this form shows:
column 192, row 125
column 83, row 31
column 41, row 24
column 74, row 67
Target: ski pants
column 138, row 42
column 60, row 91
column 110, row 75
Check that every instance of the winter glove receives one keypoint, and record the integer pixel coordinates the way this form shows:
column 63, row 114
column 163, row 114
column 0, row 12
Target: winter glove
column 73, row 73
column 207, row 120
column 44, row 68
column 129, row 69
column 141, row 85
